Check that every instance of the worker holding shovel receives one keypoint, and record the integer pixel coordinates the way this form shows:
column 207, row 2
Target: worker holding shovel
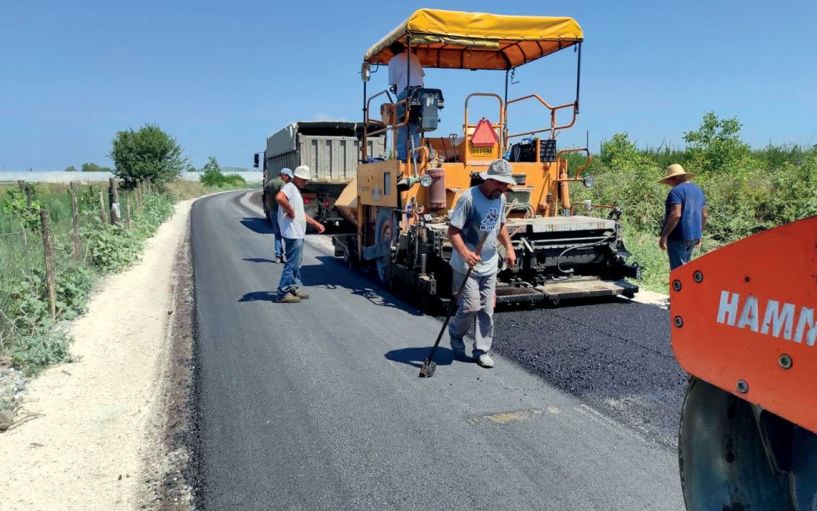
column 476, row 224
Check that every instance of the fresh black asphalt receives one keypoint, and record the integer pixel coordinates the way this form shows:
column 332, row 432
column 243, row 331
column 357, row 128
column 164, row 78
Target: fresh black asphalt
column 318, row 405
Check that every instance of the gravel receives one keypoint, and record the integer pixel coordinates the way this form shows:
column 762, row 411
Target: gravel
column 12, row 385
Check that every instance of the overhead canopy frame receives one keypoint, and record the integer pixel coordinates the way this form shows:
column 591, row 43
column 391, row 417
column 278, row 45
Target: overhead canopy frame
column 467, row 40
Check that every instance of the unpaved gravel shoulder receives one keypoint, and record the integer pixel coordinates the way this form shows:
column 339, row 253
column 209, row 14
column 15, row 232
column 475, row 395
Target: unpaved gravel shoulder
column 92, row 434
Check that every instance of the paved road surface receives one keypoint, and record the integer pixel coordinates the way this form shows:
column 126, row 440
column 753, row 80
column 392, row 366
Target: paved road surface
column 318, row 405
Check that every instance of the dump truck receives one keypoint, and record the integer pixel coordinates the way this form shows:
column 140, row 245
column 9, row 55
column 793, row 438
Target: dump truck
column 743, row 326
column 400, row 209
column 330, row 149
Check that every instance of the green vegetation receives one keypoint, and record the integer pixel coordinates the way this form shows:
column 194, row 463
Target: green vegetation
column 747, row 190
column 212, row 176
column 148, row 154
column 93, row 167
column 27, row 332
column 29, row 338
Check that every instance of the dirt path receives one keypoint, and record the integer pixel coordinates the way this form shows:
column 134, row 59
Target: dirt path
column 91, row 434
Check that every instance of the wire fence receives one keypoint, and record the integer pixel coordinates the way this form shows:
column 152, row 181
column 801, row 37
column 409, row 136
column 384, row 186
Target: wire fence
column 46, row 236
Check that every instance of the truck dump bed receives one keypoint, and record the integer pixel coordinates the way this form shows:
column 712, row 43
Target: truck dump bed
column 330, row 149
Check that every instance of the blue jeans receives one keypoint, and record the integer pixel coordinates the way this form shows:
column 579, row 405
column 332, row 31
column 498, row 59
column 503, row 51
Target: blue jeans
column 680, row 252
column 276, row 234
column 291, row 276
column 405, row 131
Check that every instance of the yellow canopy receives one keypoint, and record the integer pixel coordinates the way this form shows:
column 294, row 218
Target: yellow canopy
column 475, row 40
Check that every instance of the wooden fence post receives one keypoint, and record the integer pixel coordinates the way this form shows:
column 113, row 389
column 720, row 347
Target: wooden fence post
column 139, row 196
column 77, row 250
column 113, row 197
column 102, row 214
column 48, row 250
column 22, row 185
column 128, row 215
column 29, row 194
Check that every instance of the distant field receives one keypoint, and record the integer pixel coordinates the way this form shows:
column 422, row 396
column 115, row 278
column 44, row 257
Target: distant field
column 93, row 177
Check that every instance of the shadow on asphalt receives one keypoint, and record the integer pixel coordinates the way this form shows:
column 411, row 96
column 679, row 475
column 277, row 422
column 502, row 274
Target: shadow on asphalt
column 333, row 274
column 258, row 296
column 259, row 260
column 416, row 356
column 257, row 224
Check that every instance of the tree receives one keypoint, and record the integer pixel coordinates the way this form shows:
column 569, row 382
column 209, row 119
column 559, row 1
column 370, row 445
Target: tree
column 621, row 153
column 148, row 153
column 70, row 168
column 716, row 145
column 211, row 173
column 212, row 176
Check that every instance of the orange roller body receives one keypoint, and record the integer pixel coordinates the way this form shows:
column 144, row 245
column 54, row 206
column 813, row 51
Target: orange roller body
column 744, row 318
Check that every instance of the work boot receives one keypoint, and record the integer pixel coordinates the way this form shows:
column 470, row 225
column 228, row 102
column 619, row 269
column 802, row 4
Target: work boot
column 287, row 298
column 300, row 294
column 458, row 347
column 485, row 361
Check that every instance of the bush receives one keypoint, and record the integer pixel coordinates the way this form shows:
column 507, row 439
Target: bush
column 147, row 154
column 93, row 167
column 716, row 146
column 111, row 247
column 41, row 348
column 212, row 176
column 15, row 205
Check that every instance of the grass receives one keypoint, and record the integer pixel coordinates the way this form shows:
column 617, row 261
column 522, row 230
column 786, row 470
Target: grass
column 28, row 335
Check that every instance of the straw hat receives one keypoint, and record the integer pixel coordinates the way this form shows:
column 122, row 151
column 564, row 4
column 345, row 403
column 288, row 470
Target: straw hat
column 675, row 170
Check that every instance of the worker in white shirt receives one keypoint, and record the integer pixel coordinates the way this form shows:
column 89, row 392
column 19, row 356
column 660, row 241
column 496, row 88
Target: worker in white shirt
column 405, row 72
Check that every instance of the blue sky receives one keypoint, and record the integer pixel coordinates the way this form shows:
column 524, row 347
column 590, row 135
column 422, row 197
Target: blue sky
column 221, row 76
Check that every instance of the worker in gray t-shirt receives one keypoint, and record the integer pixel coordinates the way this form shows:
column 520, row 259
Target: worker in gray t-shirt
column 479, row 211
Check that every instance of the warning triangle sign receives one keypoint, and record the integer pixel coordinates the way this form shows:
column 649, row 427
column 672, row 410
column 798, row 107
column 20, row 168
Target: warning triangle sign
column 484, row 134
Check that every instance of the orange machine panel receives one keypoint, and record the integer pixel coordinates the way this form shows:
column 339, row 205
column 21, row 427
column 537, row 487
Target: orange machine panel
column 744, row 318
column 377, row 183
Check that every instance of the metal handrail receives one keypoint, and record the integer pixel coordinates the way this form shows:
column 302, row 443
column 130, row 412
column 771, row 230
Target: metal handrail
column 553, row 109
column 500, row 124
column 426, row 157
column 387, row 127
column 581, row 169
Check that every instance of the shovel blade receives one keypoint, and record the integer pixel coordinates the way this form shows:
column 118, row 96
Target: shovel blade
column 427, row 370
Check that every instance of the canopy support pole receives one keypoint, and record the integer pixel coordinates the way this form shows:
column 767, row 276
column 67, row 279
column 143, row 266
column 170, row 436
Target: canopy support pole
column 505, row 115
column 578, row 77
column 363, row 144
column 409, row 138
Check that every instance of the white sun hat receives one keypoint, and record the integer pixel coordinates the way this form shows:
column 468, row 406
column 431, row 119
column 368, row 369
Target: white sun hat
column 302, row 171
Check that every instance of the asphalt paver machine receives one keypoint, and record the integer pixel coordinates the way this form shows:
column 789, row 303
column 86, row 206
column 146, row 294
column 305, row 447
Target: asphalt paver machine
column 744, row 327
column 401, row 209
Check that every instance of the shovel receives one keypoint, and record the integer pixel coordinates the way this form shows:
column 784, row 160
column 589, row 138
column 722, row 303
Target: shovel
column 428, row 367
